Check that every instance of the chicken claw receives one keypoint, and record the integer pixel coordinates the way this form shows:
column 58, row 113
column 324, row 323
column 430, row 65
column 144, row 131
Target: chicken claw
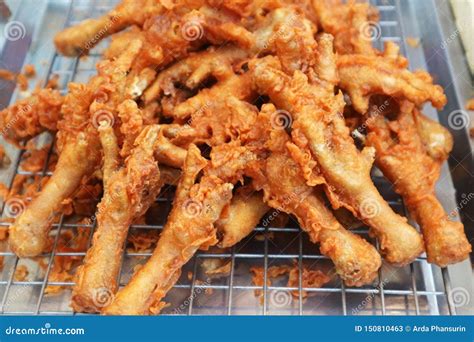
column 190, row 226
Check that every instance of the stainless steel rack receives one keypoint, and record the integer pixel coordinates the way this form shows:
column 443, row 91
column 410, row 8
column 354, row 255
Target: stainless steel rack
column 419, row 288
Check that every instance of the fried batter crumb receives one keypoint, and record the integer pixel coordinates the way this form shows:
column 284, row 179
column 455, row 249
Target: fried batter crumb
column 216, row 268
column 21, row 273
column 53, row 82
column 262, row 237
column 34, row 159
column 10, row 76
column 7, row 75
column 413, row 42
column 156, row 308
column 470, row 104
column 64, row 267
column 29, row 70
column 3, row 233
column 143, row 240
column 4, row 159
column 4, row 191
column 310, row 278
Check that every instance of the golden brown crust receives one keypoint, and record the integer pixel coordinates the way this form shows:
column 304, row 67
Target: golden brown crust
column 31, row 116
column 29, row 233
column 345, row 169
column 190, row 226
column 79, row 39
column 362, row 76
column 129, row 192
column 285, row 189
column 176, row 84
column 240, row 218
column 405, row 160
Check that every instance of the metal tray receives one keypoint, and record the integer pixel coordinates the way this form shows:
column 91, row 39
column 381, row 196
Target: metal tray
column 419, row 288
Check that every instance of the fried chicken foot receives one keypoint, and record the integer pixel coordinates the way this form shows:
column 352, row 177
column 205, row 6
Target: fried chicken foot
column 437, row 140
column 319, row 126
column 238, row 86
column 168, row 153
column 79, row 39
column 190, row 226
column 193, row 70
column 350, row 23
column 285, row 189
column 129, row 192
column 362, row 76
column 404, row 160
column 29, row 233
column 79, row 150
column 241, row 217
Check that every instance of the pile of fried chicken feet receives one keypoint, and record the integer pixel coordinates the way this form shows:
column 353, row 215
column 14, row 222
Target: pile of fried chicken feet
column 244, row 106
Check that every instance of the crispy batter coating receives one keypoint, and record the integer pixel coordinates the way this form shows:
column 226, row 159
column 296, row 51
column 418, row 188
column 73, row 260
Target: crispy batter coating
column 404, row 160
column 289, row 34
column 238, row 86
column 436, row 139
column 79, row 147
column 350, row 23
column 194, row 70
column 79, row 39
column 31, row 116
column 169, row 154
column 362, row 76
column 129, row 192
column 255, row 86
column 4, row 159
column 285, row 189
column 240, row 218
column 190, row 226
column 29, row 233
column 345, row 169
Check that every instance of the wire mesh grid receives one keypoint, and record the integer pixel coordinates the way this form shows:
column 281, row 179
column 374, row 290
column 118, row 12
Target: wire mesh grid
column 419, row 288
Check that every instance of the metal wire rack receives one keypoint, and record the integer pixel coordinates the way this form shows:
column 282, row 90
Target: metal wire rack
column 416, row 289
